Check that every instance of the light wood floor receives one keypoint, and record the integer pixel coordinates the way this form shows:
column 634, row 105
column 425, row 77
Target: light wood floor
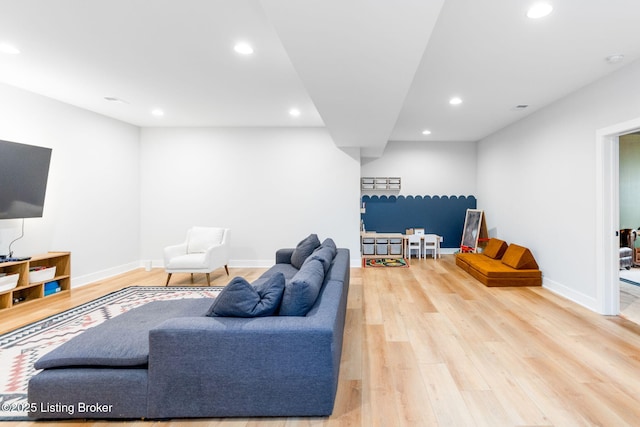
column 430, row 346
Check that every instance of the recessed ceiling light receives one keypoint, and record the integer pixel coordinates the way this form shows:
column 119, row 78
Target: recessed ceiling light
column 116, row 100
column 243, row 49
column 426, row 132
column 614, row 59
column 294, row 112
column 455, row 101
column 539, row 10
column 157, row 112
column 9, row 49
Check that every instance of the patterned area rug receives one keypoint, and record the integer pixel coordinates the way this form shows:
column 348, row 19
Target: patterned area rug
column 386, row 262
column 21, row 348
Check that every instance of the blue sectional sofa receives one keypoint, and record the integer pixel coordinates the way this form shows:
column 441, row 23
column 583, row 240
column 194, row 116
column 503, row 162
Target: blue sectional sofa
column 179, row 359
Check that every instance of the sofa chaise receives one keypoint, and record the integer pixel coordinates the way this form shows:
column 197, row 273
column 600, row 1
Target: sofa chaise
column 268, row 348
column 500, row 264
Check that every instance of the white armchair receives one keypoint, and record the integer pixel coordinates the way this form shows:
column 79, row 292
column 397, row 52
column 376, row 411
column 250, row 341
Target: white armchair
column 206, row 249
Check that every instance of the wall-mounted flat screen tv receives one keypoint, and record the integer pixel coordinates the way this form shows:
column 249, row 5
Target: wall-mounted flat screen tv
column 24, row 170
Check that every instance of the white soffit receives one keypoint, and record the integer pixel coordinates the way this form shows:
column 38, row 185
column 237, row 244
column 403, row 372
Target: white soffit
column 356, row 59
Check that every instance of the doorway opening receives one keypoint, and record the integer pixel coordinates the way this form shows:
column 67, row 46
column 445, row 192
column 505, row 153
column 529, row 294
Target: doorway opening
column 608, row 215
column 629, row 188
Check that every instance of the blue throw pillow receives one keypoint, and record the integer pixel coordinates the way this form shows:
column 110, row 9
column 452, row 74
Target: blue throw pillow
column 329, row 243
column 304, row 249
column 323, row 254
column 301, row 292
column 240, row 299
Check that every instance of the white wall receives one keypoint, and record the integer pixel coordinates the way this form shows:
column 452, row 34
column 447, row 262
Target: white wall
column 537, row 180
column 427, row 168
column 91, row 207
column 270, row 186
column 117, row 194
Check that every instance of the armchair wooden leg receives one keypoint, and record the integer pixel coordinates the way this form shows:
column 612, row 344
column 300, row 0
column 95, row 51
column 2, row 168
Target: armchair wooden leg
column 226, row 267
column 208, row 279
column 191, row 277
column 168, row 278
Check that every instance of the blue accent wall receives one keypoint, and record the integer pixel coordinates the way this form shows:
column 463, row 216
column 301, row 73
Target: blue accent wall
column 442, row 215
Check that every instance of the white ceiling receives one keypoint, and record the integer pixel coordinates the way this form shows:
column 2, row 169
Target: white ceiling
column 369, row 70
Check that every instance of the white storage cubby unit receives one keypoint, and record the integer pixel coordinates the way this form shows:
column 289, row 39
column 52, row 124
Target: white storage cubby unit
column 382, row 245
column 31, row 279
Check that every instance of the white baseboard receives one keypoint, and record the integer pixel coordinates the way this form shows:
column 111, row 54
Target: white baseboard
column 76, row 282
column 251, row 263
column 233, row 263
column 245, row 263
column 86, row 279
column 570, row 294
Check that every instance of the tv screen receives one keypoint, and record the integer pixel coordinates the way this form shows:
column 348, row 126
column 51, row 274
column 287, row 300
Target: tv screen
column 24, row 170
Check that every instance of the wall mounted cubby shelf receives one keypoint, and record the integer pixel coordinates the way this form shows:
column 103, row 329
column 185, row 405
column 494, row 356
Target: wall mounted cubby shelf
column 380, row 183
column 31, row 284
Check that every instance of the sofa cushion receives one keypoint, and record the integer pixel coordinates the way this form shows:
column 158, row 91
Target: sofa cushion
column 495, row 248
column 502, row 275
column 323, row 254
column 519, row 257
column 188, row 261
column 304, row 249
column 329, row 243
column 301, row 291
column 270, row 292
column 496, row 268
column 287, row 269
column 240, row 299
column 122, row 341
column 463, row 259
